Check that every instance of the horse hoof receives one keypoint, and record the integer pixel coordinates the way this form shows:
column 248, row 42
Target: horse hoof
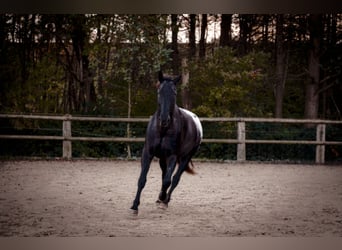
column 162, row 205
column 134, row 211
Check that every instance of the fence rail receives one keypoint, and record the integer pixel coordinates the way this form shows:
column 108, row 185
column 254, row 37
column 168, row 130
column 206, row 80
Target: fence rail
column 241, row 140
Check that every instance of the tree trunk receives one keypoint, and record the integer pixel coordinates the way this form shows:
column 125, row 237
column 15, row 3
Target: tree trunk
column 3, row 36
column 312, row 84
column 25, row 47
column 204, row 24
column 174, row 44
column 330, row 22
column 192, row 36
column 333, row 29
column 226, row 22
column 280, row 67
column 186, row 102
column 129, row 112
column 81, row 80
column 265, row 20
column 3, row 58
column 101, row 55
column 245, row 30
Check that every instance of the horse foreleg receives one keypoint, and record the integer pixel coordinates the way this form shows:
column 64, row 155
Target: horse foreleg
column 145, row 166
column 163, row 167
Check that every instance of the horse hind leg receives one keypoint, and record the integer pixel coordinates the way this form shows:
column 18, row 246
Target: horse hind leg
column 190, row 169
column 176, row 178
column 163, row 197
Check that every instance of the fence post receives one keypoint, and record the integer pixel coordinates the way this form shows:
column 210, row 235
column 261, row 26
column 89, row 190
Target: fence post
column 241, row 146
column 67, row 147
column 320, row 149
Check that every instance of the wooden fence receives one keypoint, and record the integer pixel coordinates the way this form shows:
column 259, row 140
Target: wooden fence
column 241, row 140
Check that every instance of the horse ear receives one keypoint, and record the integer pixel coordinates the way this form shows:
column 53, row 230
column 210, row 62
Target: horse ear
column 177, row 79
column 160, row 76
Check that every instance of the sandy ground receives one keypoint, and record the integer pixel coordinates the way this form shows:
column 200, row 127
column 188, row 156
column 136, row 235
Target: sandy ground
column 92, row 198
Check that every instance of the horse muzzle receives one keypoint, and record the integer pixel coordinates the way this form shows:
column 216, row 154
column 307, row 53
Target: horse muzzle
column 165, row 122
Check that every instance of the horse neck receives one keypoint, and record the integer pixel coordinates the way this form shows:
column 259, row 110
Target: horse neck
column 175, row 109
column 176, row 116
column 175, row 112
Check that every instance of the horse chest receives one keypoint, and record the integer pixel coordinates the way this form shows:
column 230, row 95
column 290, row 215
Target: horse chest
column 166, row 145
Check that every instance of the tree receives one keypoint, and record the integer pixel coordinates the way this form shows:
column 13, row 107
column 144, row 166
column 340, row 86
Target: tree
column 174, row 44
column 281, row 66
column 30, row 74
column 233, row 85
column 226, row 22
column 204, row 24
column 192, row 36
column 312, row 83
column 245, row 34
column 106, row 64
column 331, row 68
column 191, row 56
column 265, row 29
column 81, row 75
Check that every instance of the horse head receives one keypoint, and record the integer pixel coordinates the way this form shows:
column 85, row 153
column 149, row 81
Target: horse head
column 167, row 93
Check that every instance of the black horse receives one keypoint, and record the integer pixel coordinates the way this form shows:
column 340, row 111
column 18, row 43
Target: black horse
column 173, row 135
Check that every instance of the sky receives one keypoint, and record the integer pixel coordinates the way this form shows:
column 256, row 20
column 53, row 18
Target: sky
column 213, row 31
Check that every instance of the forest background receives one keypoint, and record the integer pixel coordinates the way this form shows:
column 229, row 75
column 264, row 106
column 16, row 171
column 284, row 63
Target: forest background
column 233, row 65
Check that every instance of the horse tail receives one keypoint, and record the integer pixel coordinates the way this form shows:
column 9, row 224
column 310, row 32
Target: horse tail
column 190, row 170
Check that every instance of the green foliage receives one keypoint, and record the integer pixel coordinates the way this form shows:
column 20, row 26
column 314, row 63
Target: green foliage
column 269, row 131
column 129, row 63
column 40, row 53
column 41, row 92
column 235, row 86
column 45, row 86
column 255, row 152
